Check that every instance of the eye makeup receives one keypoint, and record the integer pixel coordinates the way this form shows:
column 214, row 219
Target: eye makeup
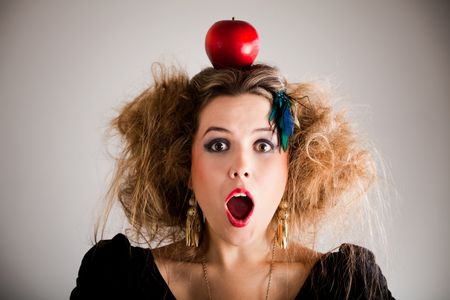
column 217, row 145
column 264, row 142
column 212, row 145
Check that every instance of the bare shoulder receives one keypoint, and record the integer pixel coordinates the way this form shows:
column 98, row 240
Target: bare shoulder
column 297, row 253
column 292, row 267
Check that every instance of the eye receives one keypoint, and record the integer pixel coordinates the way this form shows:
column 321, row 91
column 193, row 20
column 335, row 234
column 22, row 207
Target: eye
column 217, row 145
column 264, row 146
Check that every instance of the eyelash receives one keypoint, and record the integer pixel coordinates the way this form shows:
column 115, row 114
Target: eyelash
column 209, row 146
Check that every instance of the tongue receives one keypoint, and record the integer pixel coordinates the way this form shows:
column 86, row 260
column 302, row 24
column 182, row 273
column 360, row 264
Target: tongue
column 239, row 207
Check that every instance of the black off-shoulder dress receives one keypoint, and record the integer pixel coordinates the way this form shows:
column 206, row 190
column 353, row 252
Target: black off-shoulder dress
column 113, row 269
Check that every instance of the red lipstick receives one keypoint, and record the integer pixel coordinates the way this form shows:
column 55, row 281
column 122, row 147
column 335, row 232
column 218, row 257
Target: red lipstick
column 239, row 207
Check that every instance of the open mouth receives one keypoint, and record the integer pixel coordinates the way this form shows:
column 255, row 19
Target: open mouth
column 239, row 207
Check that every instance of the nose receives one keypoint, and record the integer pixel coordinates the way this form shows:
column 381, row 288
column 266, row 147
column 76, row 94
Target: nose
column 240, row 168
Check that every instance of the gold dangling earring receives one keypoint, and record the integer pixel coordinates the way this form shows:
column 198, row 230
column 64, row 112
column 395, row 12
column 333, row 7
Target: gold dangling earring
column 192, row 224
column 282, row 232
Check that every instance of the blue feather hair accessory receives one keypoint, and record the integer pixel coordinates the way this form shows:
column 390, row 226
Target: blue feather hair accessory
column 281, row 115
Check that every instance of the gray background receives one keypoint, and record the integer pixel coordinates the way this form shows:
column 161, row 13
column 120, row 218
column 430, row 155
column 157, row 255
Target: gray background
column 65, row 66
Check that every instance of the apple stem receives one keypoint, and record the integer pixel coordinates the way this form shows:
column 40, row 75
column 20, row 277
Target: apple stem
column 232, row 19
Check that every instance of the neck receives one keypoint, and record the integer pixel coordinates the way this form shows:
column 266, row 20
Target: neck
column 230, row 256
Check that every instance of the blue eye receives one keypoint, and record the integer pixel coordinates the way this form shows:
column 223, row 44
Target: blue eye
column 264, row 146
column 217, row 145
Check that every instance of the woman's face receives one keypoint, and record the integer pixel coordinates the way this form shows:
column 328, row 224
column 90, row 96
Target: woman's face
column 238, row 173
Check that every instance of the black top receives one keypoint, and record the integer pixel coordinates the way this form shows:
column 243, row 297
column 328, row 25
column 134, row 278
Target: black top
column 113, row 269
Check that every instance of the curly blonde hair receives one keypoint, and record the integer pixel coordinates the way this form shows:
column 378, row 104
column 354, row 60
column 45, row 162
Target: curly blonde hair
column 157, row 129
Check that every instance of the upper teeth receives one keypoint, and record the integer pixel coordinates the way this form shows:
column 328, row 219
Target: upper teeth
column 240, row 195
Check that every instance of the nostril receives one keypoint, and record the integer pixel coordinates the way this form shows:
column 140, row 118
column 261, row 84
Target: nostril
column 236, row 174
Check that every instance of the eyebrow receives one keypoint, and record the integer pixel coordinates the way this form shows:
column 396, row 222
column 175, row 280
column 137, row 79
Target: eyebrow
column 221, row 129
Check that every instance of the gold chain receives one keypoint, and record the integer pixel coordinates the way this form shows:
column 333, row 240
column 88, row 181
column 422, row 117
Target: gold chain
column 205, row 276
column 205, row 273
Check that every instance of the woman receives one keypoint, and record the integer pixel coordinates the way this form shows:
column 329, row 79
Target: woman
column 222, row 168
column 212, row 168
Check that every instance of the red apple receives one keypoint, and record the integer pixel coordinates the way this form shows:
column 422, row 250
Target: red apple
column 232, row 44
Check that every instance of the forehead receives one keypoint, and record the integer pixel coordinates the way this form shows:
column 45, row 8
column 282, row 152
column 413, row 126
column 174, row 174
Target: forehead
column 236, row 110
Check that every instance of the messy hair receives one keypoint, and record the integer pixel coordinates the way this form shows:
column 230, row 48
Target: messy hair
column 157, row 129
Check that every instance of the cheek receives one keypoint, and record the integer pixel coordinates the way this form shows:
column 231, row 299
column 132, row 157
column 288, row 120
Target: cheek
column 276, row 169
column 204, row 171
column 207, row 178
column 198, row 168
column 276, row 177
